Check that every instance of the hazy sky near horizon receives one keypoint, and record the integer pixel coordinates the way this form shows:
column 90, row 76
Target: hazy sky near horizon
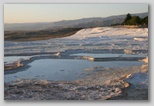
column 25, row 13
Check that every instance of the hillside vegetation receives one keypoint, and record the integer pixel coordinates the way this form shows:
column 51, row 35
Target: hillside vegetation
column 38, row 35
column 135, row 20
column 44, row 31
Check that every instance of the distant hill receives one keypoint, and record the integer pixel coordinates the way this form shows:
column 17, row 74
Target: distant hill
column 78, row 23
column 39, row 34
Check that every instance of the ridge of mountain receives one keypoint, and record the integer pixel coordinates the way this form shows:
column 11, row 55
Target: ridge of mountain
column 77, row 23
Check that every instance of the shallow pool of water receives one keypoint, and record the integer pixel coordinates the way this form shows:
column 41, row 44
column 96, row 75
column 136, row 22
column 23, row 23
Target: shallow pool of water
column 10, row 59
column 107, row 55
column 62, row 69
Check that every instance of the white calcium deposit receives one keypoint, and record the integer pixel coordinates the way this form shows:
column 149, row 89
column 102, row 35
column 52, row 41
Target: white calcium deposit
column 109, row 32
column 87, row 39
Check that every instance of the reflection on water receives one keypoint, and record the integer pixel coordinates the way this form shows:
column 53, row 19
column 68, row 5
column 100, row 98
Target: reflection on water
column 107, row 55
column 10, row 59
column 62, row 69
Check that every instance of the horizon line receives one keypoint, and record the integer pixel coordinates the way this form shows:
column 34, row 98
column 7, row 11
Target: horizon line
column 71, row 19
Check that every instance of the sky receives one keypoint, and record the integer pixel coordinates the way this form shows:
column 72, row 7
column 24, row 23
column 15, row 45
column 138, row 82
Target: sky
column 27, row 13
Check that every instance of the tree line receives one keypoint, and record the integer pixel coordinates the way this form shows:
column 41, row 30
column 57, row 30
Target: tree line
column 135, row 20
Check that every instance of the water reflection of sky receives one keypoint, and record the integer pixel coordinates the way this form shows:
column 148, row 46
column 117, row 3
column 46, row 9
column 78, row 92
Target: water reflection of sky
column 107, row 55
column 62, row 69
column 10, row 59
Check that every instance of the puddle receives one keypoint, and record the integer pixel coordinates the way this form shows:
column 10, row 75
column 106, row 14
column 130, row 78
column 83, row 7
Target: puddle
column 107, row 55
column 62, row 69
column 10, row 59
column 139, row 80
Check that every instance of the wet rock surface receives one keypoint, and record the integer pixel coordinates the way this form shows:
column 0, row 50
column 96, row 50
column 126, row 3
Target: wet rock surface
column 101, row 76
column 138, row 89
column 48, row 90
column 14, row 65
column 100, row 85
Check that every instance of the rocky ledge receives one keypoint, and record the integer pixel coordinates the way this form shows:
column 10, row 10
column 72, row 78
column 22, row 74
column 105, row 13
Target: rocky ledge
column 102, row 84
column 48, row 90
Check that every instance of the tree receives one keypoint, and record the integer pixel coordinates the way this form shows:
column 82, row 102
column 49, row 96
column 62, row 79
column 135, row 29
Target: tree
column 146, row 20
column 128, row 17
column 142, row 21
column 135, row 20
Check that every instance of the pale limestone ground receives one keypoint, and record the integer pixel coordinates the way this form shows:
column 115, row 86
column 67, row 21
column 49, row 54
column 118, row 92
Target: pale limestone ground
column 103, row 84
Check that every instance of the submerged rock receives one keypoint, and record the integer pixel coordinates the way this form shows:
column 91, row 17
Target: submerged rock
column 139, row 80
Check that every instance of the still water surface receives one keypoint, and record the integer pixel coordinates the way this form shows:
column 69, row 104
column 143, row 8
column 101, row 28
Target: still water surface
column 62, row 69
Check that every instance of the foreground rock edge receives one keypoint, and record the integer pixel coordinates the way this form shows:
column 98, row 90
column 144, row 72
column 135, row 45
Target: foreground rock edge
column 114, row 89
